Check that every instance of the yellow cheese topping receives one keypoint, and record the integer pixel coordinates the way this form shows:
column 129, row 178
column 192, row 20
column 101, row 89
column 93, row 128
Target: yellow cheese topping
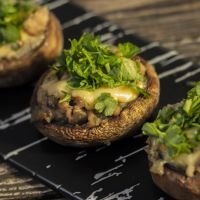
column 189, row 162
column 122, row 94
column 28, row 43
column 32, row 35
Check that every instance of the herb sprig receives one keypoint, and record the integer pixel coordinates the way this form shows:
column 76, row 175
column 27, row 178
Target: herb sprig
column 12, row 16
column 106, row 104
column 178, row 127
column 93, row 64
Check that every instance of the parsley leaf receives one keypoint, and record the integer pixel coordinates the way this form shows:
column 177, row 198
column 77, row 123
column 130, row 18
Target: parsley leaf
column 66, row 98
column 12, row 16
column 153, row 129
column 92, row 64
column 10, row 33
column 106, row 104
column 128, row 49
column 178, row 126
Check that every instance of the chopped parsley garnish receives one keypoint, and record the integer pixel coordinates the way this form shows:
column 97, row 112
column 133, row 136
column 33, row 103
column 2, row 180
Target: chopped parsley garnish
column 178, row 126
column 12, row 16
column 128, row 50
column 106, row 104
column 92, row 64
column 67, row 97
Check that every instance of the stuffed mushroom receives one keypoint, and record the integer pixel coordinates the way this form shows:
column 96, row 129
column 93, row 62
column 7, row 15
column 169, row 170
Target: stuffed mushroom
column 95, row 94
column 30, row 38
column 174, row 147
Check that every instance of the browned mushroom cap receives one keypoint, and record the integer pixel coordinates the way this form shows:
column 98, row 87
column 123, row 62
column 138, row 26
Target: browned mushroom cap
column 178, row 185
column 111, row 128
column 15, row 72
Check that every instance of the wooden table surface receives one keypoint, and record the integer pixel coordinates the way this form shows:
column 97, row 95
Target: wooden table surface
column 173, row 23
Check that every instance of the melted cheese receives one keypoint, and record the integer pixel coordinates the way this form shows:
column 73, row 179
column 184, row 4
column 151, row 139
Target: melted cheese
column 123, row 94
column 158, row 167
column 188, row 162
column 27, row 43
column 55, row 88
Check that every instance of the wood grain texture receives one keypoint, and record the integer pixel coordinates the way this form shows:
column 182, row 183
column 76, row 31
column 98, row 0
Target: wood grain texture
column 15, row 185
column 174, row 23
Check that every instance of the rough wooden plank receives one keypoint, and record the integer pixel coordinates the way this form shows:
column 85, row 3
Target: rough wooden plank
column 174, row 23
column 16, row 185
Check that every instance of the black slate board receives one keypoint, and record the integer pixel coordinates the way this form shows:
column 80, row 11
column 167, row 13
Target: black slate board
column 117, row 171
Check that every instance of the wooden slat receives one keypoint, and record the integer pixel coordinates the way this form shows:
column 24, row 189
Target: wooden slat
column 16, row 185
column 173, row 23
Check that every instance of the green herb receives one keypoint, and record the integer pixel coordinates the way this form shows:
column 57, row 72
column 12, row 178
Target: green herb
column 128, row 49
column 106, row 104
column 67, row 97
column 93, row 64
column 10, row 33
column 12, row 16
column 178, row 126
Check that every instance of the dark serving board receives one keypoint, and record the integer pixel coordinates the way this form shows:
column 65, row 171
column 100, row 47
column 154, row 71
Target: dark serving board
column 117, row 171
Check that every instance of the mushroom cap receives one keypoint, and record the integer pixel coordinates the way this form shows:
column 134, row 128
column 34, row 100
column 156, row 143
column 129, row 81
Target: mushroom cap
column 111, row 128
column 178, row 185
column 15, row 72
